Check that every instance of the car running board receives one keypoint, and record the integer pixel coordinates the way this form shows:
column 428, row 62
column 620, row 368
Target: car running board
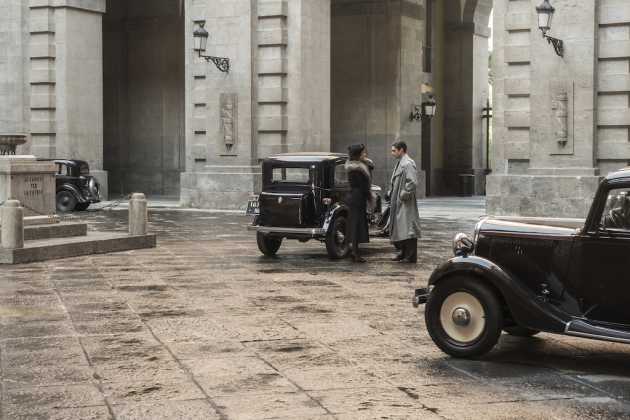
column 581, row 328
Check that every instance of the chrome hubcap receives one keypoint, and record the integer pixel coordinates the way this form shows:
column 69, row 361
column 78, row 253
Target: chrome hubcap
column 462, row 317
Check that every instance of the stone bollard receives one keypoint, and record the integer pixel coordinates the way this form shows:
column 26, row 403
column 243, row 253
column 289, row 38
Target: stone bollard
column 138, row 216
column 12, row 230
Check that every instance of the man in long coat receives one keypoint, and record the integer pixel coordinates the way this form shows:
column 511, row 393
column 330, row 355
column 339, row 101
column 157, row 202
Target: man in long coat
column 404, row 219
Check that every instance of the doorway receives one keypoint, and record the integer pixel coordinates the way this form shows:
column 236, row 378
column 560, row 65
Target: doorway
column 143, row 100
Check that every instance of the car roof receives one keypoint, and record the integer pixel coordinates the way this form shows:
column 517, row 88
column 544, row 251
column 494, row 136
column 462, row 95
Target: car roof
column 620, row 174
column 308, row 157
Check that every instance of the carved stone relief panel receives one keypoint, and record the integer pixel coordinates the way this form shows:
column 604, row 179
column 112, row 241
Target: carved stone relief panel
column 229, row 122
column 562, row 118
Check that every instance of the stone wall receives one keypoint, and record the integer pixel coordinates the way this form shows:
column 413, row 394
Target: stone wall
column 613, row 86
column 221, row 166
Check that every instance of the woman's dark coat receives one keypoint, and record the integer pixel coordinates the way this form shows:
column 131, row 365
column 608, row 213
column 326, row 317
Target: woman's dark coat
column 360, row 193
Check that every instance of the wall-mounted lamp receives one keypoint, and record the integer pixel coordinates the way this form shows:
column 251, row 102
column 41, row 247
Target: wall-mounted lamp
column 426, row 110
column 545, row 16
column 200, row 36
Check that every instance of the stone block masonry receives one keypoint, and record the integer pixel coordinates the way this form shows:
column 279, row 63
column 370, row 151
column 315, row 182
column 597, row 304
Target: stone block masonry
column 559, row 122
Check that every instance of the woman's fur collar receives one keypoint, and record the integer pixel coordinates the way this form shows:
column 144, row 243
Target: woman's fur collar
column 357, row 165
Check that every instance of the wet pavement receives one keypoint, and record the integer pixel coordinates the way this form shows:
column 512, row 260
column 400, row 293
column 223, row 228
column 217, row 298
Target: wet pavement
column 204, row 327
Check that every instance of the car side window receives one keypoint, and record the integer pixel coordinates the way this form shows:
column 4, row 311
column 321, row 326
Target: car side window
column 341, row 176
column 59, row 166
column 616, row 213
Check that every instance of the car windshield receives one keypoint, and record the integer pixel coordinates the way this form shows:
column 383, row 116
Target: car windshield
column 84, row 169
column 291, row 175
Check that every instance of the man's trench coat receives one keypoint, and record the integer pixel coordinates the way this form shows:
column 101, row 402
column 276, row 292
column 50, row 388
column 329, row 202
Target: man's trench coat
column 404, row 220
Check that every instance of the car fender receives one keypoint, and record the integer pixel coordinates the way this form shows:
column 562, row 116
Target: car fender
column 527, row 309
column 332, row 213
column 74, row 190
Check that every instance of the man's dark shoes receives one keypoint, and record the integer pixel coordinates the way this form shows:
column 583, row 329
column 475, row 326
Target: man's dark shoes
column 358, row 259
column 399, row 257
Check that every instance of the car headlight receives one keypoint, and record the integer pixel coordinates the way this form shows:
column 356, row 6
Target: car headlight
column 463, row 245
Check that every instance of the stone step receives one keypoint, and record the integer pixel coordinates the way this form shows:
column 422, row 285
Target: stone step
column 56, row 230
column 93, row 243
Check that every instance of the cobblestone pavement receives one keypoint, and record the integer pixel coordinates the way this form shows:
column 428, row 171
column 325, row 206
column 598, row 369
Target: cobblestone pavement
column 204, row 327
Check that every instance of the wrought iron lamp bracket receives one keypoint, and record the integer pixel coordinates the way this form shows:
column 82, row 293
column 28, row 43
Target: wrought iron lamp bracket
column 222, row 63
column 558, row 44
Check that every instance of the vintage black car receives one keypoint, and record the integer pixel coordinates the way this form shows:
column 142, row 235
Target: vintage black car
column 304, row 197
column 525, row 278
column 76, row 188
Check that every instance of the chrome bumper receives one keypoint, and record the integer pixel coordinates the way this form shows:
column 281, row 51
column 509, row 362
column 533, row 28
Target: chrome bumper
column 309, row 232
column 420, row 297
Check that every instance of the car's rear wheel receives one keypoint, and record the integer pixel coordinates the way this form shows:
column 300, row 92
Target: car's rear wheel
column 82, row 206
column 337, row 244
column 464, row 317
column 268, row 245
column 66, row 201
column 519, row 331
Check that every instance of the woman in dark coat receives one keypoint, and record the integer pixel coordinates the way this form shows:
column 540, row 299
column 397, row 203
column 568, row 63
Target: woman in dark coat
column 359, row 177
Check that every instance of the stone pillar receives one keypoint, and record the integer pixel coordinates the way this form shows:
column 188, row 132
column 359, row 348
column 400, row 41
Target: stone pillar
column 12, row 229
column 222, row 168
column 412, row 14
column 14, row 68
column 308, row 75
column 66, row 78
column 138, row 215
column 544, row 112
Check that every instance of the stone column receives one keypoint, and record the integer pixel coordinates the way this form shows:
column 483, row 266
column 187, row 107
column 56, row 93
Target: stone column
column 308, row 78
column 78, row 92
column 14, row 68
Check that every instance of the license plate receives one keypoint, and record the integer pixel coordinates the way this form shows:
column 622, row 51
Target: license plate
column 253, row 207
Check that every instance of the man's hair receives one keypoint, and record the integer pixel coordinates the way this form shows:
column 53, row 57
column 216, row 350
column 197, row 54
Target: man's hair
column 400, row 145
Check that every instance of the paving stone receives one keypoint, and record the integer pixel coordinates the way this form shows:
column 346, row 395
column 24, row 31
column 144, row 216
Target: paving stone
column 267, row 406
column 236, row 375
column 185, row 410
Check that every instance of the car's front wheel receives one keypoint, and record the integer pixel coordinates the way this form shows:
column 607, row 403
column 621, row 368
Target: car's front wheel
column 66, row 201
column 268, row 245
column 337, row 244
column 464, row 317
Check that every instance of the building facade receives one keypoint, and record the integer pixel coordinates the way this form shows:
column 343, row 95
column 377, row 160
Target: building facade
column 119, row 84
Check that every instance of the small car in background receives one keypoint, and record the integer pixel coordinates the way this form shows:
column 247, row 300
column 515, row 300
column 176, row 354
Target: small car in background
column 304, row 196
column 525, row 278
column 76, row 189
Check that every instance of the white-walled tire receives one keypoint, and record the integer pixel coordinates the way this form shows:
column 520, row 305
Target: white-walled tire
column 464, row 317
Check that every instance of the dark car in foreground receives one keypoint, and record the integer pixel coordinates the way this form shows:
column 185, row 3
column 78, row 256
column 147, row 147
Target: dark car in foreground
column 524, row 278
column 76, row 189
column 304, row 196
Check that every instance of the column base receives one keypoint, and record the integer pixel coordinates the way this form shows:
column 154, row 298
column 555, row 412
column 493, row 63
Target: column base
column 220, row 188
column 541, row 195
